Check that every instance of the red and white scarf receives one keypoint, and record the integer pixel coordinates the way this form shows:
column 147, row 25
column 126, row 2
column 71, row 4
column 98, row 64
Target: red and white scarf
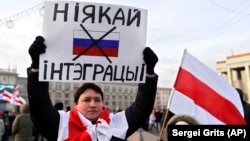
column 75, row 127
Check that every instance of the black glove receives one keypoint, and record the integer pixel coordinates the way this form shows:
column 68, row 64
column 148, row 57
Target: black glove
column 150, row 59
column 37, row 47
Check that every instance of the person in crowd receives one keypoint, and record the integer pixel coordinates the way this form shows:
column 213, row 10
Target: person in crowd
column 158, row 116
column 59, row 106
column 12, row 116
column 67, row 109
column 7, row 125
column 88, row 120
column 246, row 106
column 118, row 109
column 2, row 130
column 151, row 122
column 22, row 128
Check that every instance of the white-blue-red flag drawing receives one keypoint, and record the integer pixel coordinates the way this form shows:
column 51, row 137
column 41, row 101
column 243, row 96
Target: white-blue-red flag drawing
column 108, row 46
column 202, row 93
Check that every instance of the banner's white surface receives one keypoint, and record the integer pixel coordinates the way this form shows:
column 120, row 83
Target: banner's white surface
column 114, row 37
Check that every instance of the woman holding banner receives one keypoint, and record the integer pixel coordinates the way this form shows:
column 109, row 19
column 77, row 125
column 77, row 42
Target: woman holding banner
column 88, row 120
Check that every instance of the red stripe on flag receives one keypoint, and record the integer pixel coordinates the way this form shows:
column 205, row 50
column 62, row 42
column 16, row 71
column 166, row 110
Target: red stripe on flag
column 207, row 98
column 7, row 95
column 95, row 51
column 19, row 102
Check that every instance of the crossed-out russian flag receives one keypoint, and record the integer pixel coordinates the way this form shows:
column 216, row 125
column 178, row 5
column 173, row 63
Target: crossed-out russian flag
column 109, row 44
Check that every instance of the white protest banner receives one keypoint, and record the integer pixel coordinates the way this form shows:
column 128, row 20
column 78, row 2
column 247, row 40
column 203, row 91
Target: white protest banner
column 93, row 42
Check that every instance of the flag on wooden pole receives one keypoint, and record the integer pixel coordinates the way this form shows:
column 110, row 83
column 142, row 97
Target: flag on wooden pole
column 202, row 93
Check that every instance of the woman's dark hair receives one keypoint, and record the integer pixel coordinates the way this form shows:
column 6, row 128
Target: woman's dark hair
column 86, row 86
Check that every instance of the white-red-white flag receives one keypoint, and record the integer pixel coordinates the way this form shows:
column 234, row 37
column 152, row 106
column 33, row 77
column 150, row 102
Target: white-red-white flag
column 7, row 96
column 17, row 99
column 15, row 93
column 202, row 93
column 14, row 97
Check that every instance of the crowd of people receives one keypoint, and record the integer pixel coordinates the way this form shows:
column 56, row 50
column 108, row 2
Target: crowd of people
column 6, row 122
column 18, row 126
column 155, row 120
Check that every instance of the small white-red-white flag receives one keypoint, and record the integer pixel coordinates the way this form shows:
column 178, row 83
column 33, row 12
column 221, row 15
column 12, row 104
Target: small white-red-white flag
column 14, row 97
column 202, row 93
column 7, row 96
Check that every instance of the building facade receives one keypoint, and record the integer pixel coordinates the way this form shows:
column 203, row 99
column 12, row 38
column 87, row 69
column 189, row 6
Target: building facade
column 115, row 94
column 162, row 97
column 236, row 69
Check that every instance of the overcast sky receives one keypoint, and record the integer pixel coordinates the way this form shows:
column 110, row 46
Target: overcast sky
column 210, row 30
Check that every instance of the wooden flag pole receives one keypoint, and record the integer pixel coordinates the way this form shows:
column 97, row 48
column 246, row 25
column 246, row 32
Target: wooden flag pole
column 163, row 125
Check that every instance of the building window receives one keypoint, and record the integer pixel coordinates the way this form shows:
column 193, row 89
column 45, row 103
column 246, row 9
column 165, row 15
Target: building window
column 58, row 86
column 113, row 103
column 113, row 89
column 58, row 95
column 120, row 104
column 106, row 97
column 125, row 90
column 57, row 101
column 131, row 90
column 106, row 103
column 106, row 89
column 66, row 102
column 67, row 86
column 66, row 95
column 75, row 86
column 120, row 90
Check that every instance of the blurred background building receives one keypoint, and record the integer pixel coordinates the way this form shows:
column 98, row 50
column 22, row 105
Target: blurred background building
column 115, row 94
column 236, row 69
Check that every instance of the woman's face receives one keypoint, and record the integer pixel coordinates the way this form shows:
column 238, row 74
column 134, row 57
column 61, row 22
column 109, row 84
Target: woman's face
column 90, row 104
